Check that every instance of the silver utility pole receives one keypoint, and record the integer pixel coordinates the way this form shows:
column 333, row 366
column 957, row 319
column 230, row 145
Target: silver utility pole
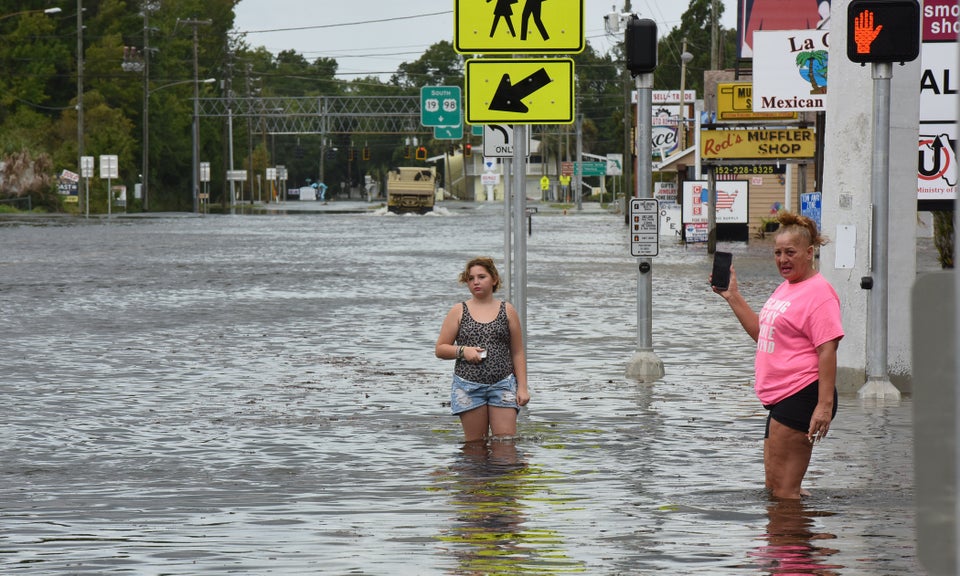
column 878, row 381
column 196, row 110
column 711, row 210
column 80, row 94
column 645, row 366
column 519, row 233
column 148, row 7
column 508, row 227
column 578, row 194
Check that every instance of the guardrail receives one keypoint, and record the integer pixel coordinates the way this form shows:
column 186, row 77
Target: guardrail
column 12, row 200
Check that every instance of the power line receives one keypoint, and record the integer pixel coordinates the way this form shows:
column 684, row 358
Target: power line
column 358, row 23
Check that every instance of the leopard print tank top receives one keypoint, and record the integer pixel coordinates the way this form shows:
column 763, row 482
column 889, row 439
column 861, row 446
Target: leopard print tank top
column 494, row 337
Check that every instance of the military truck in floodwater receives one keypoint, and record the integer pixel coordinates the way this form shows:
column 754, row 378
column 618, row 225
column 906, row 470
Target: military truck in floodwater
column 411, row 189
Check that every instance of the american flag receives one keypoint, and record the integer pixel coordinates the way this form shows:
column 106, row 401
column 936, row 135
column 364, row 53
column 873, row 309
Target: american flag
column 725, row 200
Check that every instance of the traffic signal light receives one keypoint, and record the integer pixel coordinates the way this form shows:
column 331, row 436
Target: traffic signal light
column 331, row 154
column 883, row 31
column 467, row 150
column 421, row 153
column 406, row 153
column 641, row 45
column 352, row 155
column 366, row 152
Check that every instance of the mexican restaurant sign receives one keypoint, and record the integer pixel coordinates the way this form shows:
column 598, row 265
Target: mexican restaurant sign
column 790, row 70
column 757, row 144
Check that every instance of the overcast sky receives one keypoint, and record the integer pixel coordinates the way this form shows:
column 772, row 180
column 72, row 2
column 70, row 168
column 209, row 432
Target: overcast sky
column 375, row 36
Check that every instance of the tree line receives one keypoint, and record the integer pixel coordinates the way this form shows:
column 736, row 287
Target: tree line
column 39, row 94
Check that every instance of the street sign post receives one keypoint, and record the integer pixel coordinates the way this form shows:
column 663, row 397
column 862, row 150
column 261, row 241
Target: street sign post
column 448, row 132
column 109, row 169
column 519, row 91
column 498, row 141
column 591, row 168
column 554, row 27
column 614, row 165
column 644, row 227
column 440, row 106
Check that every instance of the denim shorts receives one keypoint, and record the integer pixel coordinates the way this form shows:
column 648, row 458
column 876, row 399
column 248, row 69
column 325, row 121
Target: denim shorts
column 466, row 395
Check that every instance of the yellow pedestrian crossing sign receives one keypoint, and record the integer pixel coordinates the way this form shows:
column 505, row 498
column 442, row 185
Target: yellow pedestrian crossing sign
column 519, row 91
column 518, row 26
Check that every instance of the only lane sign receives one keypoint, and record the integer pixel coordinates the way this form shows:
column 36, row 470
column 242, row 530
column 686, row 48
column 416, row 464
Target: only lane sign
column 518, row 91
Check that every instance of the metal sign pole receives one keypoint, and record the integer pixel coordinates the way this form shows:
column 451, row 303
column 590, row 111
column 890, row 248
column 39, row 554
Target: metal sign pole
column 519, row 212
column 507, row 229
column 645, row 366
column 878, row 383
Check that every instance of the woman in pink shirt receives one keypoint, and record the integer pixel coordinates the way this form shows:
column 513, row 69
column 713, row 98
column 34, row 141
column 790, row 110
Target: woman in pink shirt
column 797, row 333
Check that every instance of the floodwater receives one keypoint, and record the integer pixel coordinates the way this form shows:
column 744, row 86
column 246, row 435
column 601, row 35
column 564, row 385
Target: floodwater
column 259, row 395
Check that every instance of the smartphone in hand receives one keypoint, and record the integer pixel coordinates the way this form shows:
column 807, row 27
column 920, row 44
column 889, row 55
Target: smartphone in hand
column 722, row 261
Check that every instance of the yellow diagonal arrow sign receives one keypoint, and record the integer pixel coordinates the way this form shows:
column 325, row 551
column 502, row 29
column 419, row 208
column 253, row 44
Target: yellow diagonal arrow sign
column 518, row 91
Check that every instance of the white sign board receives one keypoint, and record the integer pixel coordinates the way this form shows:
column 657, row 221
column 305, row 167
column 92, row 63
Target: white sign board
column 489, row 179
column 937, row 174
column 614, row 164
column 498, row 140
column 790, row 70
column 109, row 167
column 644, row 227
column 204, row 171
column 86, row 166
column 670, row 96
column 732, row 200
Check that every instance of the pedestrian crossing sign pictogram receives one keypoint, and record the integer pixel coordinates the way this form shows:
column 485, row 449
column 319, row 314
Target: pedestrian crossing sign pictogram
column 518, row 26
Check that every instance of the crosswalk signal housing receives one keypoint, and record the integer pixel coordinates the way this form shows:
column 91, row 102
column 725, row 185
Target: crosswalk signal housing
column 883, row 31
column 467, row 150
column 641, row 45
column 421, row 153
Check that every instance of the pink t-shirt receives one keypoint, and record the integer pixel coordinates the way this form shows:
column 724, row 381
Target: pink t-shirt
column 795, row 320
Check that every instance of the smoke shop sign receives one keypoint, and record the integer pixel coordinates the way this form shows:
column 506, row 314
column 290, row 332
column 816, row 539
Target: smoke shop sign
column 757, row 144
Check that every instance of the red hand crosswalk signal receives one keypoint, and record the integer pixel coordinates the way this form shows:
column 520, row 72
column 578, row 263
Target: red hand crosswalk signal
column 883, row 31
column 421, row 153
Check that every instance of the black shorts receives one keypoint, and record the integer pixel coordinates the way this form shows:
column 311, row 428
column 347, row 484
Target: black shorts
column 795, row 411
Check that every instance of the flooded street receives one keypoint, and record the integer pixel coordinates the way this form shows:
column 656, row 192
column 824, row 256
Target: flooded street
column 259, row 395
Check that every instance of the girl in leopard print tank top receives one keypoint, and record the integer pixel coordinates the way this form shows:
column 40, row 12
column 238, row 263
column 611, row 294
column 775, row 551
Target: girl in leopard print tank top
column 483, row 335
